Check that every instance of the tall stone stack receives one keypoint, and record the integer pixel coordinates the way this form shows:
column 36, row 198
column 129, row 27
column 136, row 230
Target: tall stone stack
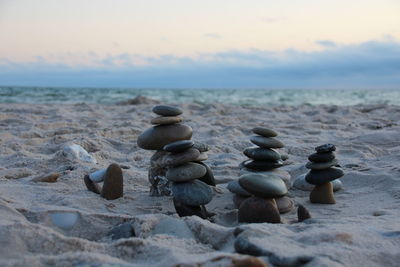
column 190, row 178
column 323, row 170
column 264, row 161
column 167, row 129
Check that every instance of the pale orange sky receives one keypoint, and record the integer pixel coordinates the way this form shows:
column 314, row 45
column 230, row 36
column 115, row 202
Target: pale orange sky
column 76, row 32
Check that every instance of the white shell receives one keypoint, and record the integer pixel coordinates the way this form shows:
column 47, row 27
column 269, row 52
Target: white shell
column 64, row 219
column 98, row 176
column 76, row 152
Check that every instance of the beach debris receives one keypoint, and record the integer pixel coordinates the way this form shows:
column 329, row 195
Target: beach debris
column 112, row 179
column 323, row 170
column 302, row 213
column 123, row 230
column 138, row 101
column 261, row 173
column 301, row 184
column 64, row 219
column 47, row 178
column 75, row 152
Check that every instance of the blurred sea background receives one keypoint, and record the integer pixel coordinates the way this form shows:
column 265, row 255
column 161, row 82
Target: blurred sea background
column 243, row 97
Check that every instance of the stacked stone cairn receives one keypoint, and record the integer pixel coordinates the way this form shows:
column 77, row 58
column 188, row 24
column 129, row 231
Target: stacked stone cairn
column 323, row 170
column 177, row 166
column 261, row 189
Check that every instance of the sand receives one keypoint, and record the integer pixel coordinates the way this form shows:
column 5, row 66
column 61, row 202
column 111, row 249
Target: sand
column 362, row 229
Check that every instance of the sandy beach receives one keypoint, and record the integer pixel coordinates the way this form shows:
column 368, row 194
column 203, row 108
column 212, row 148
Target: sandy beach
column 362, row 229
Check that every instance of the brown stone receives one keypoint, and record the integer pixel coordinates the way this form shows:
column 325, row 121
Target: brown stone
column 323, row 194
column 113, row 186
column 284, row 204
column 249, row 262
column 259, row 210
column 90, row 185
column 238, row 199
column 48, row 178
column 302, row 213
column 186, row 210
column 155, row 138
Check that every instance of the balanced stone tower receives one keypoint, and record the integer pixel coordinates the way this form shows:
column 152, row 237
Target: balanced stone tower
column 190, row 177
column 167, row 129
column 261, row 188
column 322, row 173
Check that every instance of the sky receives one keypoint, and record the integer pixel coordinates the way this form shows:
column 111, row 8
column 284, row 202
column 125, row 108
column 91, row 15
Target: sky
column 200, row 44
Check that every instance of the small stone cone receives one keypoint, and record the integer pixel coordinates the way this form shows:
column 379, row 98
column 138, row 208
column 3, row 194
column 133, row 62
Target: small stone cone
column 302, row 213
column 113, row 186
column 322, row 194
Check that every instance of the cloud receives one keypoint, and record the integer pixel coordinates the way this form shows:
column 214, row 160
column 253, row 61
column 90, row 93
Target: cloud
column 326, row 43
column 212, row 35
column 373, row 64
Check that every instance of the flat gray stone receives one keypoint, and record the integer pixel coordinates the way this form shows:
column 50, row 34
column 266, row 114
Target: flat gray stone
column 164, row 110
column 179, row 146
column 192, row 193
column 320, row 177
column 266, row 142
column 321, row 157
column 166, row 120
column 155, row 138
column 259, row 165
column 321, row 165
column 234, row 187
column 203, row 156
column 259, row 153
column 186, row 172
column 284, row 175
column 174, row 159
column 264, row 132
column 263, row 186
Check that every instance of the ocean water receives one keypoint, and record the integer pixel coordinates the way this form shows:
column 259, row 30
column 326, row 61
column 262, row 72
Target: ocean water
column 248, row 97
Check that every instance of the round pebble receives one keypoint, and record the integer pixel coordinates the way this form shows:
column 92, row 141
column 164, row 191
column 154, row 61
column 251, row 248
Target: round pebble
column 164, row 110
column 258, row 210
column 192, row 193
column 264, row 186
column 179, row 146
column 155, row 138
column 264, row 132
column 266, row 142
column 185, row 172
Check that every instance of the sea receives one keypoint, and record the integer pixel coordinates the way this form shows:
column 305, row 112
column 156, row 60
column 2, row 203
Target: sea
column 243, row 97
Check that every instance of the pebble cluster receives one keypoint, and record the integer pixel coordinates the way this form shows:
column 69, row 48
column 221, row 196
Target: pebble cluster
column 323, row 170
column 177, row 167
column 261, row 189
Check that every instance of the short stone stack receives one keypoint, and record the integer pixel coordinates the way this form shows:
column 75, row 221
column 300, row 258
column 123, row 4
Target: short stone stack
column 264, row 160
column 322, row 173
column 167, row 129
column 190, row 177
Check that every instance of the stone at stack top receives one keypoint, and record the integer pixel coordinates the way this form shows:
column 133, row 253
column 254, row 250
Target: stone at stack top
column 168, row 129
